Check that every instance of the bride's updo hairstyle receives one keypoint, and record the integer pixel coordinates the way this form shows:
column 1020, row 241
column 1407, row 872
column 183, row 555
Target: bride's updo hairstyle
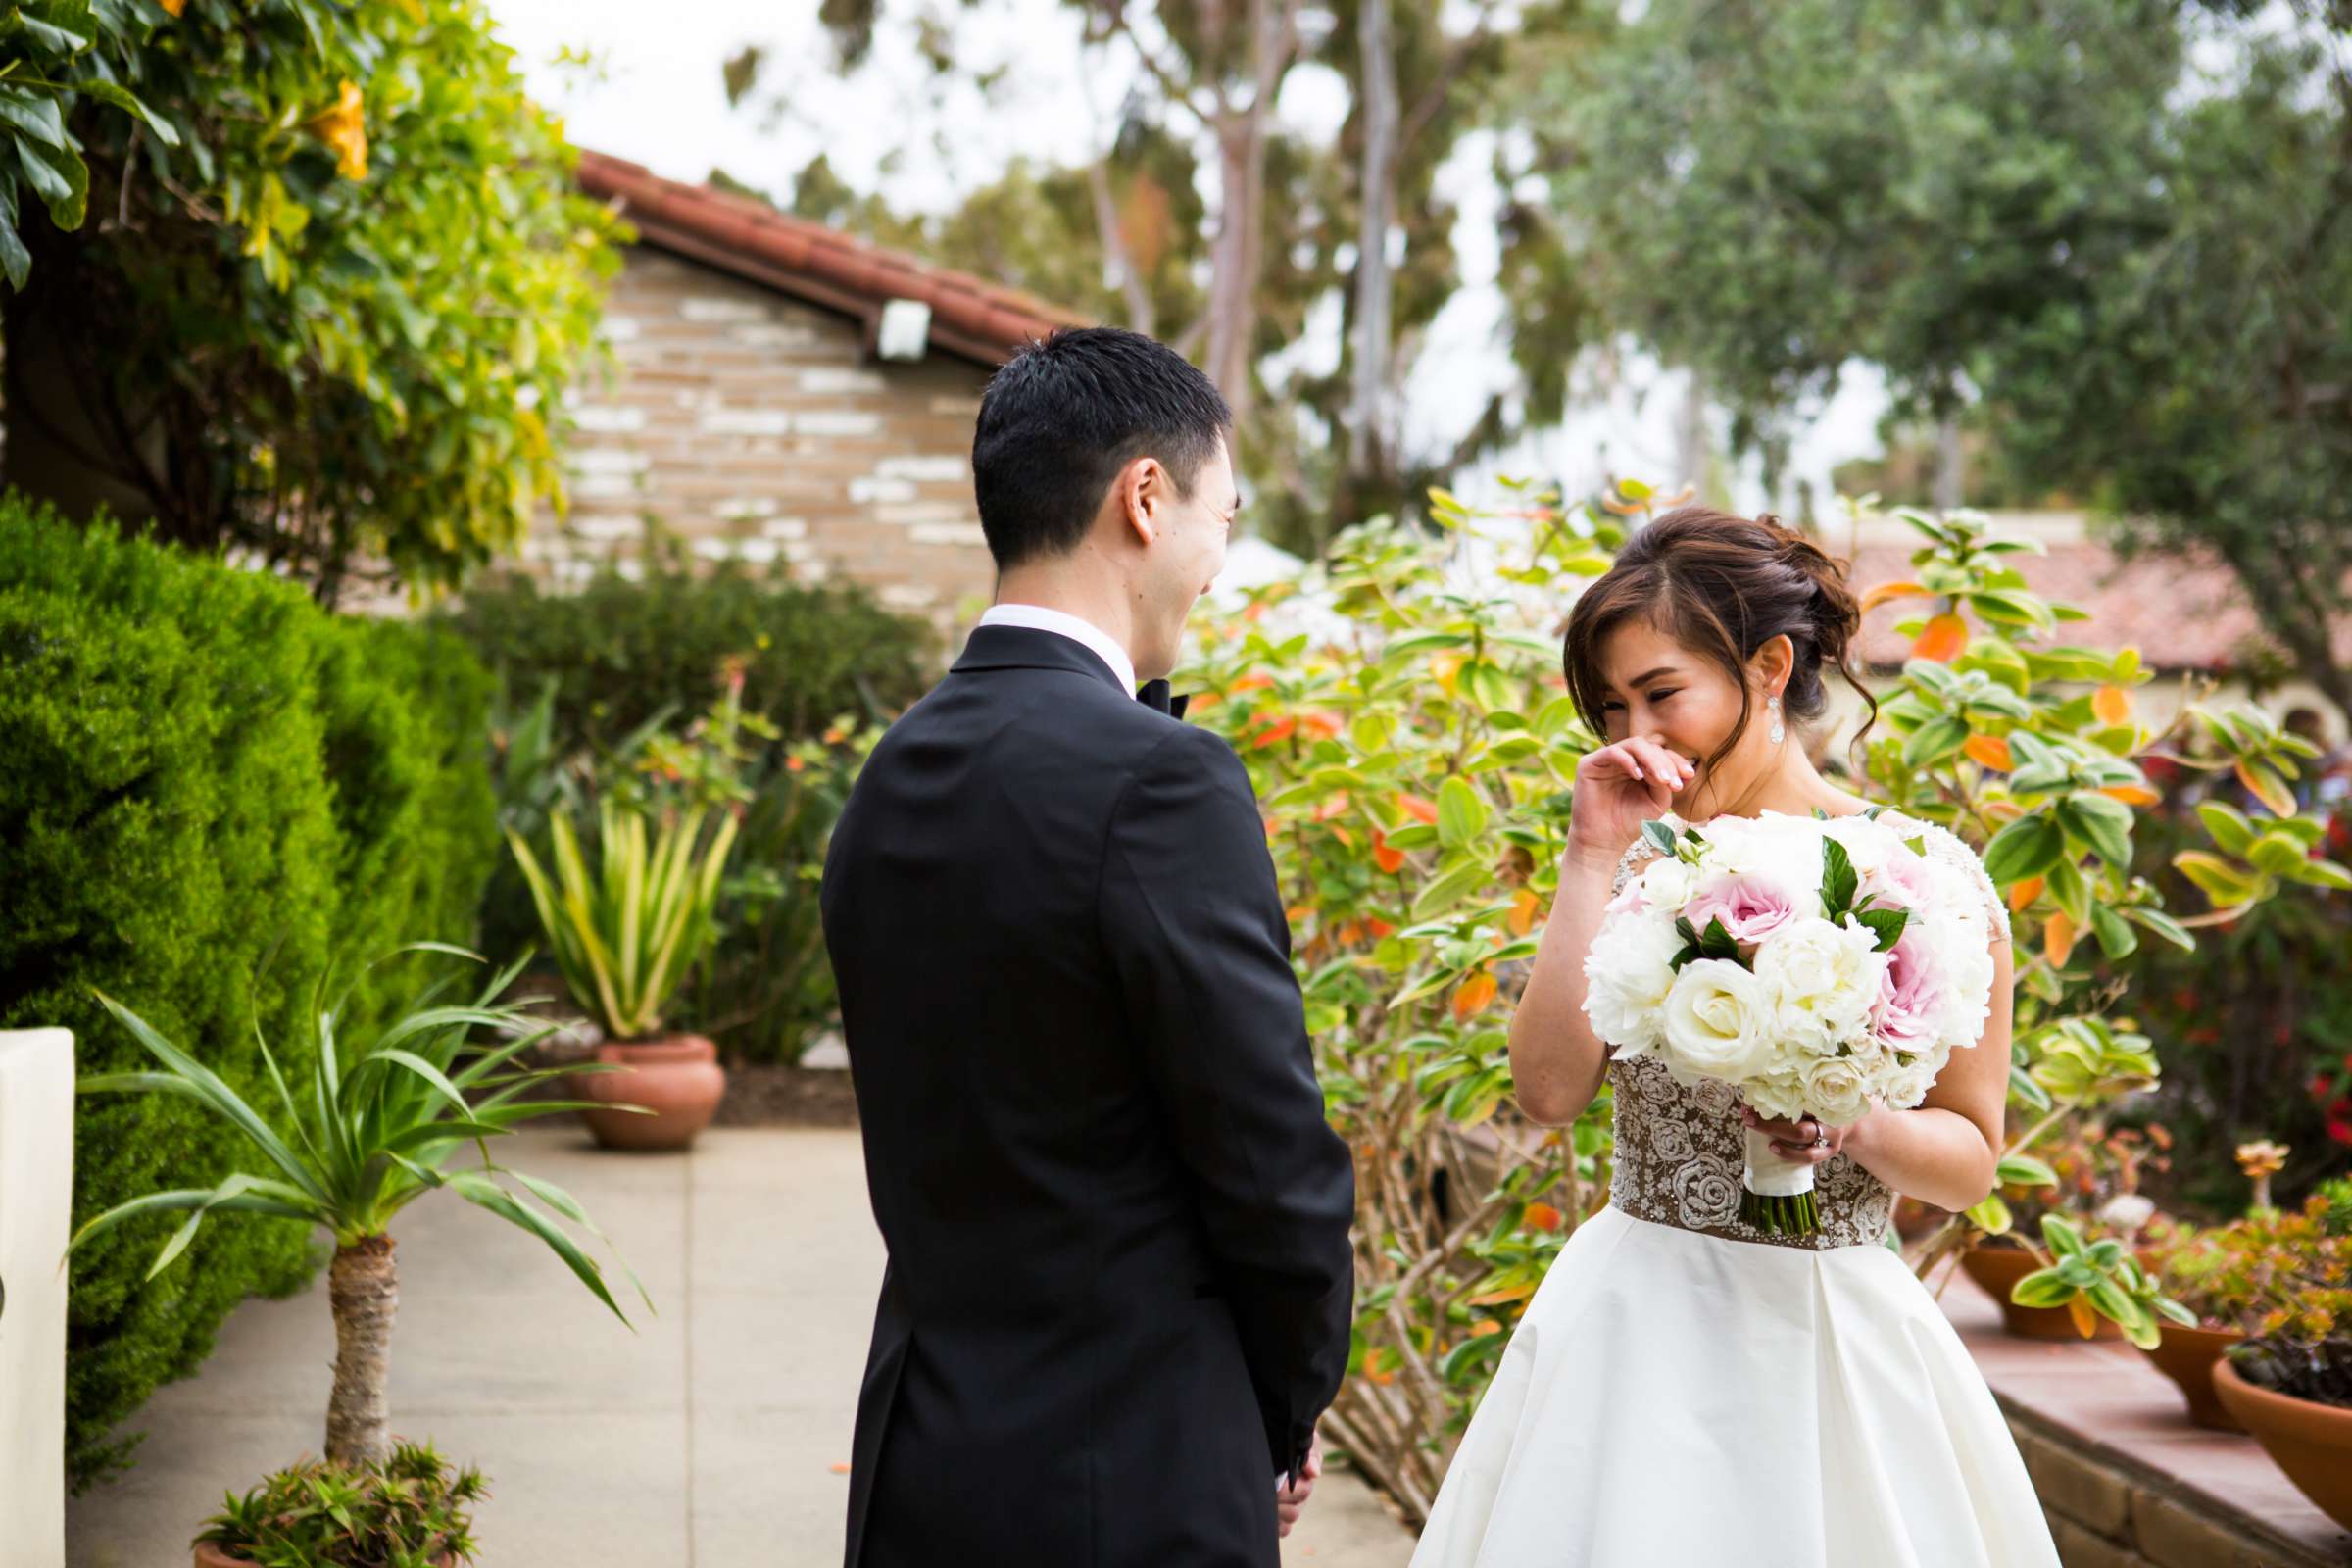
column 1722, row 587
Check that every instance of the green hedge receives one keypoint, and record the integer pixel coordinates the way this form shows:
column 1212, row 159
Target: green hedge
column 201, row 767
column 620, row 650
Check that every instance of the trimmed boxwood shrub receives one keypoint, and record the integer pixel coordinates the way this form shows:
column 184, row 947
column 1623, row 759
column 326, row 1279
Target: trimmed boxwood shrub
column 204, row 769
column 620, row 650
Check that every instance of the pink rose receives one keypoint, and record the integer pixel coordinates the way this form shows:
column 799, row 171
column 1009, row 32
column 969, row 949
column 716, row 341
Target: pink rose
column 1627, row 897
column 1751, row 908
column 1910, row 997
column 1902, row 880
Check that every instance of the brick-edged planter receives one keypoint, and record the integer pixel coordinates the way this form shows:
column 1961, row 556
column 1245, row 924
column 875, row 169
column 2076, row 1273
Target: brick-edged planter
column 1998, row 1269
column 2309, row 1440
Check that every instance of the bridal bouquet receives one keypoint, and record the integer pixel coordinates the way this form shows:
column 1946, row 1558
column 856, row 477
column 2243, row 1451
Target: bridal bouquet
column 1812, row 963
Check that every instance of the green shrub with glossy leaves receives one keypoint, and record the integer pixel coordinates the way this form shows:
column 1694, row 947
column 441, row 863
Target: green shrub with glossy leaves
column 204, row 771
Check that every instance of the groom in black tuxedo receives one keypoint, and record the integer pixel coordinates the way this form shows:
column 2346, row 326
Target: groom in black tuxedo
column 1121, row 1278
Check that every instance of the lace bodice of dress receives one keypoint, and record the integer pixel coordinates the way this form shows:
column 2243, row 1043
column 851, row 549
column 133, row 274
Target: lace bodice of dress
column 1680, row 1152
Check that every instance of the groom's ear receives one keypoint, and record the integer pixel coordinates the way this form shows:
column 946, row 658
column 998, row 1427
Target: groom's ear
column 1140, row 497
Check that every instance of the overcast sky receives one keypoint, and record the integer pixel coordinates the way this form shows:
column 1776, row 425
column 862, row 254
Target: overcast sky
column 652, row 93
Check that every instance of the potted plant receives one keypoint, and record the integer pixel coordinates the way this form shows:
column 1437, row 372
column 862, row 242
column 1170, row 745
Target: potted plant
column 2231, row 1277
column 409, row 1507
column 2066, row 1165
column 2091, row 1283
column 376, row 1128
column 2292, row 1386
column 627, row 931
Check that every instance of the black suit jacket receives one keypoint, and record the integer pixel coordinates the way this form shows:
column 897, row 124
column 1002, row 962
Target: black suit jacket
column 1120, row 1279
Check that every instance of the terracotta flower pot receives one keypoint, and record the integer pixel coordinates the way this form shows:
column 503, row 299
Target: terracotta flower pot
column 678, row 1079
column 2188, row 1356
column 2309, row 1440
column 209, row 1555
column 1998, row 1269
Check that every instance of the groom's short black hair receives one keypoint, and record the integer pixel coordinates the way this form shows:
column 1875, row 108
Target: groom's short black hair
column 1062, row 417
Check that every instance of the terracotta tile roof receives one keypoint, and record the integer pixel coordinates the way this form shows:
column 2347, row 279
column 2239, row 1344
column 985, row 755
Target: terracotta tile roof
column 970, row 317
column 2180, row 613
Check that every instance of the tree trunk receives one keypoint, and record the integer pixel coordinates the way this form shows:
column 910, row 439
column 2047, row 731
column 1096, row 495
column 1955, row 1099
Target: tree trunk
column 1368, row 434
column 363, row 1289
column 1952, row 466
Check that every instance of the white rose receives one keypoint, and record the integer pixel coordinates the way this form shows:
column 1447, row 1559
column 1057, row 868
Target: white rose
column 1968, row 998
column 1667, row 884
column 1823, row 979
column 1905, row 1087
column 1718, row 1020
column 1836, row 1090
column 1628, row 971
column 1784, row 850
column 1865, row 841
column 1779, row 1095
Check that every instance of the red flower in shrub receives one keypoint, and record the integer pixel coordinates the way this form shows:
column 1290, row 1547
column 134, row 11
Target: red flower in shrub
column 2340, row 1131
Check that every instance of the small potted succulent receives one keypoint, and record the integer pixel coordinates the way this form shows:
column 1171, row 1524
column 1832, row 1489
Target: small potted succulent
column 2231, row 1277
column 628, row 930
column 2092, row 1283
column 409, row 1509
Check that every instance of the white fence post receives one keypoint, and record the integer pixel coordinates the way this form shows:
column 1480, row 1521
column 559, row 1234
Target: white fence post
column 37, row 1195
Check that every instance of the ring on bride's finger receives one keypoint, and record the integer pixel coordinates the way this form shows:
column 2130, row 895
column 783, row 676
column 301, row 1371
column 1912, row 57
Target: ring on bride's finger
column 1820, row 1140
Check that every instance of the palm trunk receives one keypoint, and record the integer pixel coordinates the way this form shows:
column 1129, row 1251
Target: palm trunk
column 363, row 1288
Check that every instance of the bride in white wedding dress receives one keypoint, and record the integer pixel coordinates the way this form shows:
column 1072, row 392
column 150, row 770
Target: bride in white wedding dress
column 1685, row 1390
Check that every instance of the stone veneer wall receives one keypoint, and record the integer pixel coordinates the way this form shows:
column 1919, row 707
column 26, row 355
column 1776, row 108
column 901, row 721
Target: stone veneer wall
column 756, row 427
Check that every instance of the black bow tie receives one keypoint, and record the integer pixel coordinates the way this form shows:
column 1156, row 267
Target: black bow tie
column 1155, row 696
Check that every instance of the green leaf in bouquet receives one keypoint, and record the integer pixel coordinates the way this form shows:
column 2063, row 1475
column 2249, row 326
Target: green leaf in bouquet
column 1716, row 943
column 1660, row 834
column 1838, row 879
column 1888, row 924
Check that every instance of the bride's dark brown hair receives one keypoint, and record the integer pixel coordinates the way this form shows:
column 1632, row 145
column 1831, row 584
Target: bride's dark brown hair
column 1723, row 587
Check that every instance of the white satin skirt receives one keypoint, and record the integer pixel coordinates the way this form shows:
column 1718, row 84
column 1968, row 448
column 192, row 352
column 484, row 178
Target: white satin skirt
column 1673, row 1400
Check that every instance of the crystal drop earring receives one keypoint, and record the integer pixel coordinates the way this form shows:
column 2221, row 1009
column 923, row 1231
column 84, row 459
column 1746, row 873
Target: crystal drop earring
column 1777, row 733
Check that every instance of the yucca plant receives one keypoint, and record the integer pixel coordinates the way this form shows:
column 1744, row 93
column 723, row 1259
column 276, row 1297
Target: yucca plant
column 373, row 1131
column 412, row 1509
column 626, row 934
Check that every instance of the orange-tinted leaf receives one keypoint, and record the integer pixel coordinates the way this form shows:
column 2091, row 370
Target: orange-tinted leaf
column 1274, row 734
column 2021, row 893
column 2058, row 937
column 1543, row 1217
column 1523, row 911
column 1889, row 591
column 1943, row 639
column 1448, row 668
column 1320, row 725
column 1471, row 998
column 1387, row 859
column 1296, row 913
column 1484, row 1327
column 1258, row 680
column 1201, row 700
column 1419, row 809
column 1344, row 836
column 1256, row 612
column 1989, row 751
column 2086, row 1321
column 1379, row 928
column 1337, row 805
column 2267, row 787
column 2132, row 794
column 1509, row 1293
column 2112, row 703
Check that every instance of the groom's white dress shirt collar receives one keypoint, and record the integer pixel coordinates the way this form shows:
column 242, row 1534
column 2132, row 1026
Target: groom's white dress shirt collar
column 1037, row 617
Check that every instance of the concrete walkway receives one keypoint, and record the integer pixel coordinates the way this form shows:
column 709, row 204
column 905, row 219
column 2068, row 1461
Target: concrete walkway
column 717, row 1436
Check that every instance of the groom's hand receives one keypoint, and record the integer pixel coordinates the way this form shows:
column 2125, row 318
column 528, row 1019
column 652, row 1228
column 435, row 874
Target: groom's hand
column 1287, row 1500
